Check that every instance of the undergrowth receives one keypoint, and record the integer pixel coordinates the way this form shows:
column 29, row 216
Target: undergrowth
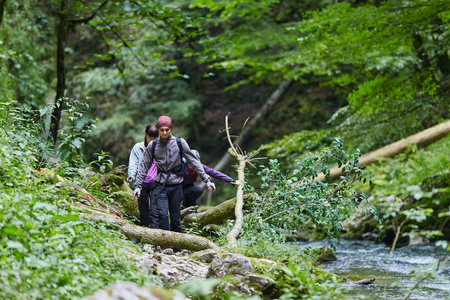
column 47, row 251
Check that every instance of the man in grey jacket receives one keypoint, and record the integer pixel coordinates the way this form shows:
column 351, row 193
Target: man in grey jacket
column 169, row 191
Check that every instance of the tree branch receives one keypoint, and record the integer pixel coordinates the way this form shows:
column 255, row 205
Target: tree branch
column 124, row 43
column 87, row 19
column 291, row 208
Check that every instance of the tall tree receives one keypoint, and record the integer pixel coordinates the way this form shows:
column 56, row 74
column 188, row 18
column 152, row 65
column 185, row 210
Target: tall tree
column 66, row 20
column 2, row 9
column 60, row 67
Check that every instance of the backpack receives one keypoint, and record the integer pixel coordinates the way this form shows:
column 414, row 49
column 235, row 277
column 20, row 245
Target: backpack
column 179, row 170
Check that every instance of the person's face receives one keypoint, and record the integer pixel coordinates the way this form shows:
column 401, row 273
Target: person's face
column 164, row 132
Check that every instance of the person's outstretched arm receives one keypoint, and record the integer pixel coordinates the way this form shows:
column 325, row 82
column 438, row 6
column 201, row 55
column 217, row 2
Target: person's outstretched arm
column 219, row 175
column 196, row 165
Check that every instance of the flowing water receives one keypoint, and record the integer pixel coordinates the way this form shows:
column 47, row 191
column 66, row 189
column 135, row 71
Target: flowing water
column 369, row 260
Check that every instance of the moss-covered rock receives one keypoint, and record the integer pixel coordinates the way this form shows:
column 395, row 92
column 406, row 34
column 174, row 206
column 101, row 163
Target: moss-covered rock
column 123, row 200
column 323, row 254
column 351, row 278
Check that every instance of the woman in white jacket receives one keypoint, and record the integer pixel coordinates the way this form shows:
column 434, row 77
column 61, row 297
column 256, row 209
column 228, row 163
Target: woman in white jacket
column 136, row 156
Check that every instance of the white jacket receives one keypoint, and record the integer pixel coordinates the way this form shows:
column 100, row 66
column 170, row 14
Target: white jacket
column 135, row 160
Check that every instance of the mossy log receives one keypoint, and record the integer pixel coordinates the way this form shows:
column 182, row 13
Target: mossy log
column 114, row 183
column 159, row 237
column 217, row 214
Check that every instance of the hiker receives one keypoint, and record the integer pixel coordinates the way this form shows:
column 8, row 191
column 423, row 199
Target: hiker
column 191, row 191
column 136, row 157
column 167, row 152
column 146, row 198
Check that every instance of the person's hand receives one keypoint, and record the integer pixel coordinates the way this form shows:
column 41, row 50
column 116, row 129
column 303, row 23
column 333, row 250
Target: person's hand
column 236, row 182
column 137, row 192
column 211, row 186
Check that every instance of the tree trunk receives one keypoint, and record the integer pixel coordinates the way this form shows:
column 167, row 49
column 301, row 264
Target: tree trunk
column 60, row 68
column 2, row 10
column 217, row 214
column 159, row 237
column 421, row 139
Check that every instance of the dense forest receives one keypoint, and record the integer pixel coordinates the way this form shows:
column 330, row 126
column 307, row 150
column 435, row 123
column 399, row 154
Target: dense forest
column 336, row 113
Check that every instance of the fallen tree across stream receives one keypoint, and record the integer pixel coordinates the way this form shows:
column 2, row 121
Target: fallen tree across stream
column 420, row 139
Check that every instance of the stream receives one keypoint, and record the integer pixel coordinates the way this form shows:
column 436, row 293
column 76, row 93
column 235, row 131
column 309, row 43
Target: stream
column 370, row 260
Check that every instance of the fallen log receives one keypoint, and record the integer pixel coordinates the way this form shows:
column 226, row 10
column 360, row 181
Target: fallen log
column 94, row 210
column 420, row 139
column 159, row 237
column 216, row 214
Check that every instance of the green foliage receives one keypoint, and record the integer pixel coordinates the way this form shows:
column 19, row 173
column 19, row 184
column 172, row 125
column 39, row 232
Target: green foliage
column 72, row 132
column 27, row 35
column 294, row 147
column 301, row 283
column 103, row 160
column 22, row 127
column 413, row 186
column 47, row 251
column 288, row 201
column 294, row 282
column 367, row 132
column 255, row 246
column 199, row 288
column 123, row 123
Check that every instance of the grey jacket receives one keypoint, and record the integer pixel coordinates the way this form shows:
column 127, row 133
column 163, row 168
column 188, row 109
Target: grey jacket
column 135, row 160
column 167, row 156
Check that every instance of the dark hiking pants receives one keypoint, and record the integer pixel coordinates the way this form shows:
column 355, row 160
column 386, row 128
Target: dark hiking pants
column 168, row 202
column 191, row 194
column 144, row 203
